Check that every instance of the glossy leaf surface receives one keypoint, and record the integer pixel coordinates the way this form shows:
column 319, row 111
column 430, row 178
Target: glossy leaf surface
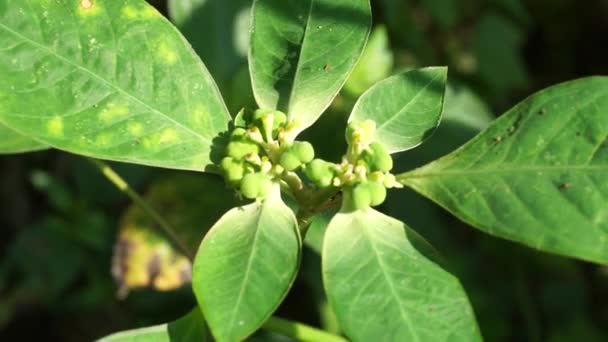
column 109, row 79
column 302, row 52
column 538, row 175
column 406, row 107
column 186, row 329
column 13, row 142
column 380, row 283
column 245, row 266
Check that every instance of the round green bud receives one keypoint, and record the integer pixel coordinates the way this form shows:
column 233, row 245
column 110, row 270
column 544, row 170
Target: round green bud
column 239, row 149
column 378, row 158
column 238, row 132
column 289, row 161
column 303, row 150
column 279, row 119
column 377, row 193
column 320, row 172
column 265, row 187
column 250, row 185
column 361, row 197
column 233, row 170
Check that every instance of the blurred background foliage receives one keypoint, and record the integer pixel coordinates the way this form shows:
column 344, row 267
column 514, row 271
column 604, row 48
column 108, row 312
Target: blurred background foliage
column 78, row 260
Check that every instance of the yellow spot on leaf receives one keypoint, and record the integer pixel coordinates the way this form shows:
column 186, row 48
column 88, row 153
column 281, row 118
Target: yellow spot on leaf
column 103, row 140
column 55, row 126
column 135, row 128
column 199, row 115
column 166, row 53
column 168, row 135
column 87, row 8
column 112, row 112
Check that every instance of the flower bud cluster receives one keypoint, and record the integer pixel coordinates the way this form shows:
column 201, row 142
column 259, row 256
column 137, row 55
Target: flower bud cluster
column 261, row 152
column 364, row 173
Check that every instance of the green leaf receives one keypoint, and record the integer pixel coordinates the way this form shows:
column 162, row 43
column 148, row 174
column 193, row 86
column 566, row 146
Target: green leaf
column 406, row 107
column 108, row 79
column 186, row 329
column 13, row 142
column 538, row 175
column 245, row 266
column 302, row 52
column 218, row 31
column 143, row 256
column 375, row 63
column 381, row 284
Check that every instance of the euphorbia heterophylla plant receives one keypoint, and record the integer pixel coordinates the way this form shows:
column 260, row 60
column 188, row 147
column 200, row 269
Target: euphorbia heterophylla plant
column 113, row 79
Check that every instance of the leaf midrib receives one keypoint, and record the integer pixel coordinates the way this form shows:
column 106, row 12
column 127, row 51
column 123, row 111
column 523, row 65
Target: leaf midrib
column 403, row 314
column 103, row 80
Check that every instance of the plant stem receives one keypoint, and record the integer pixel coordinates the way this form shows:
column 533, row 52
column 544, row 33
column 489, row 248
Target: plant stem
column 300, row 331
column 124, row 187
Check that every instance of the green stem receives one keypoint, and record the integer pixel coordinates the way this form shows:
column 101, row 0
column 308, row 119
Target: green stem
column 300, row 331
column 124, row 187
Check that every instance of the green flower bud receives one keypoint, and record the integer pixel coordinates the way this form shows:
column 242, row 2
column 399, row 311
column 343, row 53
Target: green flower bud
column 290, row 161
column 378, row 158
column 320, row 172
column 233, row 170
column 377, row 193
column 303, row 150
column 256, row 185
column 241, row 148
column 238, row 132
column 265, row 187
column 279, row 120
column 361, row 197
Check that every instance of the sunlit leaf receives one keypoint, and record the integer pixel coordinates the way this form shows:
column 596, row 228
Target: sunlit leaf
column 109, row 79
column 380, row 283
column 13, row 142
column 538, row 175
column 245, row 266
column 406, row 107
column 302, row 52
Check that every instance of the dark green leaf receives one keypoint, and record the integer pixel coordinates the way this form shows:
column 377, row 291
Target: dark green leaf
column 538, row 175
column 109, row 79
column 381, row 284
column 218, row 31
column 245, row 266
column 302, row 52
column 186, row 329
column 406, row 107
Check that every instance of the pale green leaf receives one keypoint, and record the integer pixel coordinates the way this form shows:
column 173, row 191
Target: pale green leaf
column 380, row 284
column 302, row 52
column 538, row 175
column 406, row 107
column 109, row 79
column 186, row 329
column 13, row 142
column 245, row 266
